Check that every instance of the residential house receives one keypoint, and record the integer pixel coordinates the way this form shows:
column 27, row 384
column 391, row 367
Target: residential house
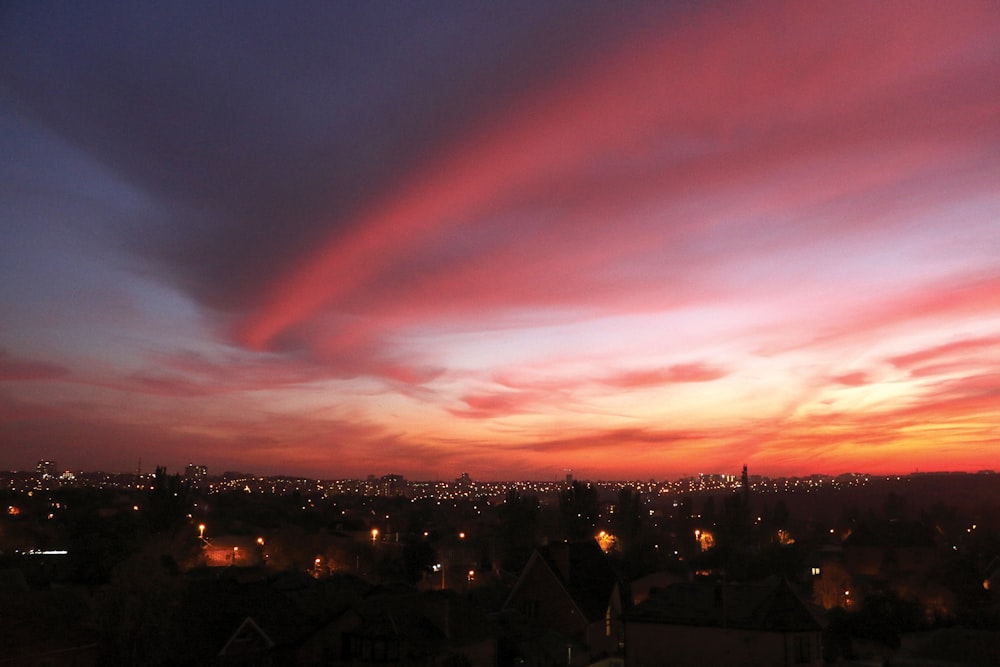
column 248, row 645
column 890, row 550
column 714, row 623
column 568, row 597
column 405, row 628
column 228, row 550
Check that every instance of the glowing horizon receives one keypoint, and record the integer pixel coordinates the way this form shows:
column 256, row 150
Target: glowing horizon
column 645, row 245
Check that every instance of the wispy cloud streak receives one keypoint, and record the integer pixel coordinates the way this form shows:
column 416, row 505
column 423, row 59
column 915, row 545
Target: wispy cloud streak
column 619, row 239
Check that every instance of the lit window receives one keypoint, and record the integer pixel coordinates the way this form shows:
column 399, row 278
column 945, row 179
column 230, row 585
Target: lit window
column 815, row 571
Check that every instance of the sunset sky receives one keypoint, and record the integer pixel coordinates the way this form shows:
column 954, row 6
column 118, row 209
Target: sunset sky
column 633, row 240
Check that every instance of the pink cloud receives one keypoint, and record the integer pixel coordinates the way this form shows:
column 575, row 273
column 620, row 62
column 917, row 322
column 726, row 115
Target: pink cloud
column 504, row 404
column 975, row 347
column 25, row 369
column 525, row 395
column 725, row 85
column 845, row 317
column 679, row 373
column 853, row 379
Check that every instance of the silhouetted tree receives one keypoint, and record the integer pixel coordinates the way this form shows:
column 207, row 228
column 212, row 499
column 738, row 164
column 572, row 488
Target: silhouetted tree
column 685, row 508
column 167, row 500
column 418, row 556
column 579, row 509
column 884, row 616
column 830, row 586
column 734, row 522
column 780, row 516
column 894, row 507
column 136, row 608
column 518, row 516
column 708, row 511
column 627, row 521
column 97, row 544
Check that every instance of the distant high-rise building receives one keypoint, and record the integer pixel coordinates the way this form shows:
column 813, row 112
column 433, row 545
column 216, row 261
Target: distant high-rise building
column 391, row 485
column 745, row 481
column 46, row 469
column 195, row 472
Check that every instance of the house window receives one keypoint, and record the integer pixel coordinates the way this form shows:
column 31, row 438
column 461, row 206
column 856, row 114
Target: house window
column 802, row 649
column 531, row 608
column 815, row 571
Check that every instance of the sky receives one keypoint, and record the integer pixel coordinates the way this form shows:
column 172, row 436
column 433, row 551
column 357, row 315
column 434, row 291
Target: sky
column 627, row 240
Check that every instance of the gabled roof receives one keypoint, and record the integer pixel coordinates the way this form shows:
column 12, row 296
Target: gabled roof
column 428, row 623
column 583, row 571
column 249, row 633
column 210, row 610
column 769, row 606
column 440, row 613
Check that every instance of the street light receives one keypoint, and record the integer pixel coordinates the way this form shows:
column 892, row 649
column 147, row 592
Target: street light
column 201, row 531
column 374, row 535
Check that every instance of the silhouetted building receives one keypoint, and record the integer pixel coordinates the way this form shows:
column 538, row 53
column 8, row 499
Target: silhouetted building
column 745, row 482
column 569, row 588
column 46, row 469
column 391, row 485
column 434, row 628
column 195, row 473
column 890, row 549
column 230, row 550
column 706, row 623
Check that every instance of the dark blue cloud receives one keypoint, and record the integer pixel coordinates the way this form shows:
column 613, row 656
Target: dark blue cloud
column 259, row 126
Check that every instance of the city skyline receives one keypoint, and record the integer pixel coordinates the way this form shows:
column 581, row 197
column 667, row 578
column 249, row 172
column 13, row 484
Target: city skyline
column 52, row 470
column 636, row 241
